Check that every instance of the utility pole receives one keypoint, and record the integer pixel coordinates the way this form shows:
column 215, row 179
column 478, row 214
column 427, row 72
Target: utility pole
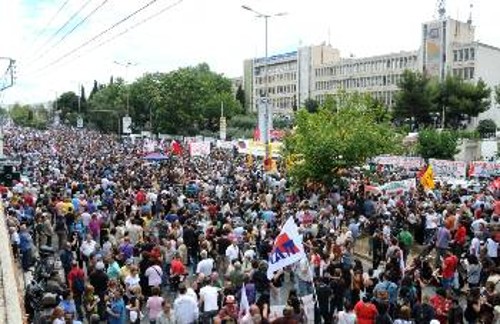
column 126, row 65
column 9, row 74
column 267, row 109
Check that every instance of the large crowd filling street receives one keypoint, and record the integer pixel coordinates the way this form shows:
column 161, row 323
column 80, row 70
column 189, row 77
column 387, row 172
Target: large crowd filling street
column 104, row 235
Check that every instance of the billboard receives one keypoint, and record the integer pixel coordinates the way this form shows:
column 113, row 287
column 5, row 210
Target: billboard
column 433, row 49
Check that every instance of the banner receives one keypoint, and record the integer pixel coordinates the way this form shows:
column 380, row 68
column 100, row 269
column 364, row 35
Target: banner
column 258, row 148
column 405, row 162
column 448, row 169
column 199, row 148
column 398, row 187
column 287, row 248
column 484, row 169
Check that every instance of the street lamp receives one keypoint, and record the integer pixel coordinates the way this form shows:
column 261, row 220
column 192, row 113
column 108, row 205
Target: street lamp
column 268, row 113
column 126, row 65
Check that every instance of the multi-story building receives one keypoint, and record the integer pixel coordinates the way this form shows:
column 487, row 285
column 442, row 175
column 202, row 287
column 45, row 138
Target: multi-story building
column 377, row 75
column 448, row 47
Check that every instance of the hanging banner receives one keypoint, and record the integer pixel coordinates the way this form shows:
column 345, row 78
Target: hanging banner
column 405, row 162
column 199, row 148
column 79, row 122
column 399, row 187
column 448, row 169
column 484, row 169
column 127, row 125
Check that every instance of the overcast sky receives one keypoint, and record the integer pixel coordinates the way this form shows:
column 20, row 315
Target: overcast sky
column 218, row 32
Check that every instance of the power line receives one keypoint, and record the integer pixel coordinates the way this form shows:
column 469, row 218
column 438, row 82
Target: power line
column 81, row 22
column 65, row 24
column 98, row 35
column 50, row 21
column 171, row 6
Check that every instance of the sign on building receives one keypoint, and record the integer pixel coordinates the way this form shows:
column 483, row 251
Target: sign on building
column 126, row 125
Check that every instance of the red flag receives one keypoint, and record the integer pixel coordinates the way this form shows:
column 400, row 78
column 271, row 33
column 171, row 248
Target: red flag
column 176, row 148
column 471, row 170
column 421, row 173
column 256, row 134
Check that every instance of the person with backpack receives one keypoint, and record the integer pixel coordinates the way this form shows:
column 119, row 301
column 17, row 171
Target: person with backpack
column 76, row 284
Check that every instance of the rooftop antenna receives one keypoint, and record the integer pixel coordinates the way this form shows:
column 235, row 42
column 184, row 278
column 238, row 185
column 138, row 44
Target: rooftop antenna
column 470, row 14
column 442, row 10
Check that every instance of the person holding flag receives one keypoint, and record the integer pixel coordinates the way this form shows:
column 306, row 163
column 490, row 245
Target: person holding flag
column 427, row 179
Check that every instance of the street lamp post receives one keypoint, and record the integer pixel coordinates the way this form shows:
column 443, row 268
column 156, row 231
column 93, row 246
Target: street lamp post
column 126, row 65
column 268, row 112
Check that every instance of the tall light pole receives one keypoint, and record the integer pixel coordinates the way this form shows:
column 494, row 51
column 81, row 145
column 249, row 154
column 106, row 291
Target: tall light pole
column 126, row 65
column 268, row 112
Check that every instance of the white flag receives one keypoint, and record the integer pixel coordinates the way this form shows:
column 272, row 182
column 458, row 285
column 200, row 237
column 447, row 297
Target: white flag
column 287, row 249
column 244, row 306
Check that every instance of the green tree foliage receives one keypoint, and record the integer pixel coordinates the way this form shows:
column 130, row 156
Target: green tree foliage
column 248, row 122
column 325, row 142
column 434, row 144
column 486, row 127
column 415, row 98
column 67, row 105
column 311, row 105
column 421, row 97
column 107, row 106
column 186, row 101
column 497, row 94
column 462, row 100
column 240, row 96
column 29, row 116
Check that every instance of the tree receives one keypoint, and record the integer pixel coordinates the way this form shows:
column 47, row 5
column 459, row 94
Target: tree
column 311, row 105
column 415, row 98
column 95, row 88
column 326, row 142
column 486, row 127
column 497, row 94
column 107, row 106
column 240, row 96
column 460, row 100
column 436, row 144
column 28, row 116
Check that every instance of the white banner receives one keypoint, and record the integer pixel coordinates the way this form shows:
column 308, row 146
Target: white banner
column 398, row 187
column 287, row 248
column 448, row 169
column 199, row 148
column 406, row 162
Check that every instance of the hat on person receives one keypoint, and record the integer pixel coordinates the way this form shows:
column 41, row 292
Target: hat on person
column 230, row 299
column 99, row 265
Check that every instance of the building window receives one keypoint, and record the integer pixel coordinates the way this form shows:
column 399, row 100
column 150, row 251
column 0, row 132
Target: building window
column 455, row 55
column 461, row 55
column 471, row 54
column 471, row 73
column 466, row 74
column 466, row 54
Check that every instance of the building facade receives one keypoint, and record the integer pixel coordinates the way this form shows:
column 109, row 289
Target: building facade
column 447, row 47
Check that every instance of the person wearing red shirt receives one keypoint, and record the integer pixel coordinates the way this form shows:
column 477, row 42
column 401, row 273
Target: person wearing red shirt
column 366, row 312
column 449, row 267
column 75, row 272
column 441, row 305
column 460, row 238
column 177, row 270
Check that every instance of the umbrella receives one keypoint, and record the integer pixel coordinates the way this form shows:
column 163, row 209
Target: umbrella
column 155, row 157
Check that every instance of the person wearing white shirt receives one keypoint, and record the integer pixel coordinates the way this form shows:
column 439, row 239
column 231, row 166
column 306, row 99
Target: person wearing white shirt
column 88, row 247
column 492, row 249
column 185, row 307
column 208, row 298
column 206, row 265
column 154, row 274
column 232, row 252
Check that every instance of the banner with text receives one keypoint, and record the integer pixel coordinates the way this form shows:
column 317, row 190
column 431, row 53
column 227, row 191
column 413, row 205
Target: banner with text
column 448, row 169
column 484, row 169
column 399, row 187
column 199, row 148
column 406, row 162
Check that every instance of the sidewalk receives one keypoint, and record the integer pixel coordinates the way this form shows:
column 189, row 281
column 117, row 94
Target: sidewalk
column 11, row 296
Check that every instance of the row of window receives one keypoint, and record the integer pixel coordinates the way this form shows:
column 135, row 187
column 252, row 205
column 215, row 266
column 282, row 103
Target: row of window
column 386, row 97
column 464, row 73
column 277, row 68
column 464, row 55
column 352, row 83
column 369, row 66
column 278, row 90
column 284, row 103
column 282, row 77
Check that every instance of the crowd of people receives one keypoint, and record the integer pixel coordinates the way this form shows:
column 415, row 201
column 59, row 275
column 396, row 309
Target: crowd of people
column 186, row 240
